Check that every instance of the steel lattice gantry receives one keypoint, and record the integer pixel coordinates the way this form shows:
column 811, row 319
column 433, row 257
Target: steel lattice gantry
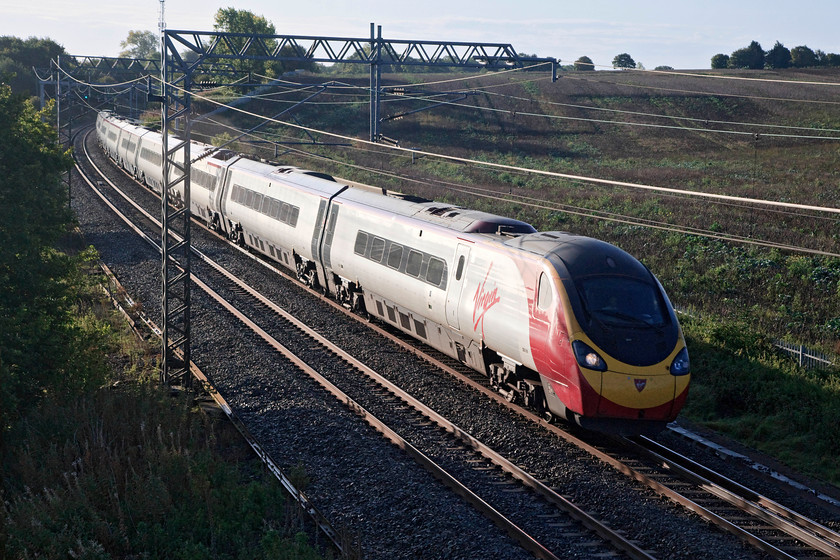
column 205, row 50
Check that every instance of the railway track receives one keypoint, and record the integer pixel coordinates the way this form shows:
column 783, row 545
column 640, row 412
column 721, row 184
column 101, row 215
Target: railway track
column 775, row 539
column 518, row 498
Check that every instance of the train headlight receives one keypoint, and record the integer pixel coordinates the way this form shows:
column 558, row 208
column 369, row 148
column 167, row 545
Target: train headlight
column 587, row 357
column 681, row 365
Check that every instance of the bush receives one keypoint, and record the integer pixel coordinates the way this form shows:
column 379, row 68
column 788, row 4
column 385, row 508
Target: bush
column 88, row 483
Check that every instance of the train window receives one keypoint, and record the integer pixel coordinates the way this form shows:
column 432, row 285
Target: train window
column 293, row 216
column 434, row 273
column 619, row 301
column 395, row 255
column 236, row 193
column 266, row 205
column 545, row 296
column 258, row 198
column 377, row 249
column 275, row 208
column 249, row 198
column 415, row 259
column 460, row 270
column 361, row 243
column 284, row 212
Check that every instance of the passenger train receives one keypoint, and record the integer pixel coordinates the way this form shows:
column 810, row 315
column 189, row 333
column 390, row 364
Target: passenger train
column 570, row 325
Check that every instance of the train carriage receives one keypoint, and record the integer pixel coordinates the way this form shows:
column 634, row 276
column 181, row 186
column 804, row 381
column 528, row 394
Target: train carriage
column 129, row 141
column 275, row 211
column 571, row 325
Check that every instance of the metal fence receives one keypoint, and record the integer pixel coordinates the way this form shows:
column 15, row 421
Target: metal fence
column 806, row 357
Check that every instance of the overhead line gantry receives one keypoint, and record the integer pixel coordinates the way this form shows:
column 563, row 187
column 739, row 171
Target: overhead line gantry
column 187, row 54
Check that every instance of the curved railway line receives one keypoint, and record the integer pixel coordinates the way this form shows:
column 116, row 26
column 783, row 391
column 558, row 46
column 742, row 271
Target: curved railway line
column 529, row 506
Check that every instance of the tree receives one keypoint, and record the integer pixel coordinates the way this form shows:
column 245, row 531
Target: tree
column 664, row 68
column 778, row 56
column 232, row 20
column 42, row 348
column 820, row 57
column 140, row 44
column 749, row 57
column 18, row 57
column 623, row 60
column 584, row 63
column 720, row 60
column 803, row 57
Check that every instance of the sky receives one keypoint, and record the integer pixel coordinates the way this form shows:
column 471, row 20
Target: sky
column 683, row 34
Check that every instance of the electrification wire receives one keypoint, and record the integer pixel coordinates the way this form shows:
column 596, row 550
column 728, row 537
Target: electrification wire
column 579, row 211
column 617, row 111
column 568, row 209
column 506, row 167
column 712, row 76
column 66, row 73
column 643, row 125
column 478, row 76
column 659, row 116
column 543, row 115
column 697, row 92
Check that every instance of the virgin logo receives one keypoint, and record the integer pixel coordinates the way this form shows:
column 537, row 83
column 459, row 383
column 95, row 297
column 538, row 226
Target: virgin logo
column 483, row 300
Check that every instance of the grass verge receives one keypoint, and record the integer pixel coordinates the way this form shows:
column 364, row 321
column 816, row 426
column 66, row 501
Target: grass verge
column 742, row 387
column 130, row 471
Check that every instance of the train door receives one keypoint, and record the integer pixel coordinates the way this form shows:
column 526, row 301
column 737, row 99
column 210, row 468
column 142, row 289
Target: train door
column 322, row 238
column 453, row 294
column 222, row 193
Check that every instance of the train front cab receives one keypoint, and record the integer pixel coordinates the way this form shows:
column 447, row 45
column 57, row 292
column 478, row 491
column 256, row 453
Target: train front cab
column 610, row 354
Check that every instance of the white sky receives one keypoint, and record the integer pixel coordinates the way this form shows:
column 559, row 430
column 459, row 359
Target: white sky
column 680, row 33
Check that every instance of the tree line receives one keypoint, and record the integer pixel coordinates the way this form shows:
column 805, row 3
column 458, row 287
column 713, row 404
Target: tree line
column 756, row 58
column 19, row 56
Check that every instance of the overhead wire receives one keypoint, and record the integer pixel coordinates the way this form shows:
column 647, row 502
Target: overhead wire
column 660, row 116
column 464, row 104
column 621, row 219
column 544, row 115
column 711, row 76
column 541, row 204
column 698, row 92
column 507, row 167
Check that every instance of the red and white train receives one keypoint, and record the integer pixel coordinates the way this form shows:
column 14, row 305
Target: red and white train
column 571, row 325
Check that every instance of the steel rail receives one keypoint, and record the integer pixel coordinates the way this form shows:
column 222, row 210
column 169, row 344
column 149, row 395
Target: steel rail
column 661, row 489
column 319, row 519
column 524, row 539
column 813, row 534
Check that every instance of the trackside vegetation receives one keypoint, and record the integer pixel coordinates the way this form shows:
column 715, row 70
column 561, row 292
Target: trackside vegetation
column 742, row 387
column 96, row 460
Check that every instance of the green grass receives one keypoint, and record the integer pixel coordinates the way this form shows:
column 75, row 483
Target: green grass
column 742, row 387
column 130, row 471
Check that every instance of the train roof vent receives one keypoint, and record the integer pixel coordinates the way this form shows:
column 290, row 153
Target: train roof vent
column 324, row 176
column 224, row 155
column 498, row 225
column 440, row 210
